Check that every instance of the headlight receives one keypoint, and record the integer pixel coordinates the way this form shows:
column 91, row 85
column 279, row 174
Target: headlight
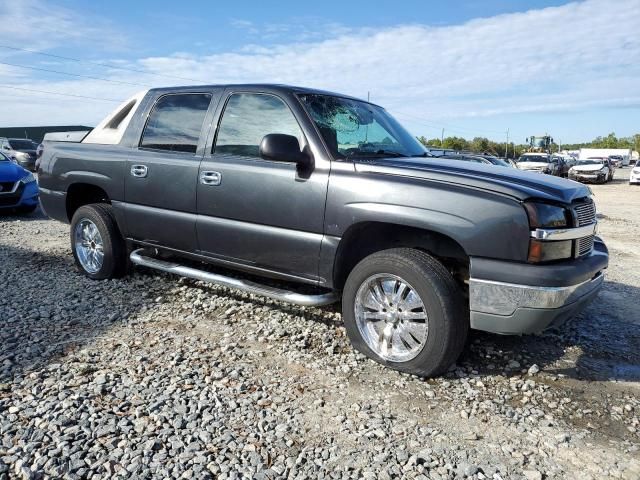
column 543, row 215
column 22, row 155
column 28, row 178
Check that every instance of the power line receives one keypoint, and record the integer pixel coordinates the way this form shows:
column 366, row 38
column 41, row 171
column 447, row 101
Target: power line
column 74, row 74
column 58, row 93
column 99, row 64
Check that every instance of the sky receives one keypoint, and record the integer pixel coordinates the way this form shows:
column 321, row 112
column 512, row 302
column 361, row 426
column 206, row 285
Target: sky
column 474, row 68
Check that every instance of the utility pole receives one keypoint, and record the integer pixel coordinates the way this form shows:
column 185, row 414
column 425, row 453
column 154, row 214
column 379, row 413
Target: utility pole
column 442, row 138
column 506, row 145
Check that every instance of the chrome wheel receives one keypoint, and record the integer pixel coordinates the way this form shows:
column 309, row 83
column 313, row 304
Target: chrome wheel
column 89, row 246
column 391, row 317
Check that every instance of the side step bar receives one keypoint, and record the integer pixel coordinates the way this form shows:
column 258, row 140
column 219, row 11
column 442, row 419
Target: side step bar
column 139, row 258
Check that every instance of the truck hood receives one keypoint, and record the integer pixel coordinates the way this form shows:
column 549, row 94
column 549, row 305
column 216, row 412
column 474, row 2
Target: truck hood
column 516, row 183
column 587, row 168
column 11, row 172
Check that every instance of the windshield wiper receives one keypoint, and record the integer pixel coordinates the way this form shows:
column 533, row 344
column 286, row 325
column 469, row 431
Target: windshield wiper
column 383, row 153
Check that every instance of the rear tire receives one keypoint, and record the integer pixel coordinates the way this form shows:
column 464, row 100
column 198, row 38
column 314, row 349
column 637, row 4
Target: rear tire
column 96, row 242
column 387, row 326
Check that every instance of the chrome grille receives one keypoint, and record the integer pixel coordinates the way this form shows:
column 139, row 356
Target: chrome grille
column 585, row 245
column 585, row 213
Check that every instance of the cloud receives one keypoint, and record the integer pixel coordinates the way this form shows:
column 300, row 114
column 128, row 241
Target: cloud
column 581, row 55
column 37, row 25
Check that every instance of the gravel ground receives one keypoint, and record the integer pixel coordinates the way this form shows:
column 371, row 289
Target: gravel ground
column 154, row 376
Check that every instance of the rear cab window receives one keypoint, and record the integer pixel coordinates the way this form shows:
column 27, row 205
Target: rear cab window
column 175, row 122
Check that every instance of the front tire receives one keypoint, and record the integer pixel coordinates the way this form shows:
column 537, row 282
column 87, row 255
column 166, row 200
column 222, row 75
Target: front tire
column 403, row 309
column 96, row 242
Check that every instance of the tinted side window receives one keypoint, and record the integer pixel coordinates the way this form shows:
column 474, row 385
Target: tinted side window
column 247, row 118
column 175, row 122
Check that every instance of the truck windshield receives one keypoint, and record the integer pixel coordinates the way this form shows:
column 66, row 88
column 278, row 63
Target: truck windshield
column 23, row 144
column 356, row 129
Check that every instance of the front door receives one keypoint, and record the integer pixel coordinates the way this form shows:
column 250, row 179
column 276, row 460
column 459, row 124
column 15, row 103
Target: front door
column 162, row 173
column 260, row 213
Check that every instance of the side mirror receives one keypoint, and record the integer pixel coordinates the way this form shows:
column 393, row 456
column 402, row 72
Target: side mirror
column 283, row 148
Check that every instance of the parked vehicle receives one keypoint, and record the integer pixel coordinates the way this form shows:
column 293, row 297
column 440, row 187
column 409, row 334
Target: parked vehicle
column 539, row 163
column 616, row 160
column 594, row 170
column 476, row 159
column 634, row 175
column 330, row 191
column 493, row 160
column 18, row 187
column 22, row 150
column 563, row 165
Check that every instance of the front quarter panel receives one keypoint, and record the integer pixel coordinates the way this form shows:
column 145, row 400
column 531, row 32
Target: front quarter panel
column 484, row 223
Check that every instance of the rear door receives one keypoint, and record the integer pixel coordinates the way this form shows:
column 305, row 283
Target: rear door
column 261, row 213
column 162, row 172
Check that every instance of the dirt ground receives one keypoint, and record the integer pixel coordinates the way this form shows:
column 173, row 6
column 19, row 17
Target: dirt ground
column 154, row 376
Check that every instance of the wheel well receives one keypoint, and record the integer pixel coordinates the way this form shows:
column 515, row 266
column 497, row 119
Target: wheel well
column 363, row 239
column 79, row 194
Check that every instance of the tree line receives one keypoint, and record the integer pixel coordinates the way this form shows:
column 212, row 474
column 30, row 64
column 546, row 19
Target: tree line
column 512, row 150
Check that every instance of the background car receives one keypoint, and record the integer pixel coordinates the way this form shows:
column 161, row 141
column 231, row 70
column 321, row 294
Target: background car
column 18, row 187
column 596, row 170
column 616, row 160
column 476, row 158
column 539, row 163
column 634, row 175
column 22, row 150
column 501, row 162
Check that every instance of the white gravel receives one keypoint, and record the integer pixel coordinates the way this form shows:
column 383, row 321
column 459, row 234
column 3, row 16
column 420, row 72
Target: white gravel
column 158, row 377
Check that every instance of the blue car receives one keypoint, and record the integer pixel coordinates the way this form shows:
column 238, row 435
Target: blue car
column 18, row 187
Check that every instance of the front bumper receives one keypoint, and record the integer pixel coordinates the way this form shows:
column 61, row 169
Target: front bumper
column 535, row 303
column 634, row 178
column 588, row 177
column 24, row 195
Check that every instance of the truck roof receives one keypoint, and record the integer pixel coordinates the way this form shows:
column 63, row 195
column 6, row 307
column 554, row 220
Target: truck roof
column 274, row 87
column 111, row 129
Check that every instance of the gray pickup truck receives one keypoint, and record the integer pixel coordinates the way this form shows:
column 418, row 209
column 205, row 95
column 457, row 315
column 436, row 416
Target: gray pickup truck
column 329, row 195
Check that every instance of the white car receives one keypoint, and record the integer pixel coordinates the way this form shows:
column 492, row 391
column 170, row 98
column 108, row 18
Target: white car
column 594, row 170
column 539, row 163
column 634, row 175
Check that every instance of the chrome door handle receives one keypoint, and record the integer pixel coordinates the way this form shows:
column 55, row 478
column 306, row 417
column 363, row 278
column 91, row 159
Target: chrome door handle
column 139, row 171
column 210, row 178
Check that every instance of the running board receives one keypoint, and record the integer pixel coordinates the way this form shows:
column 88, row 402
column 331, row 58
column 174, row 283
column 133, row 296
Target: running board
column 138, row 257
